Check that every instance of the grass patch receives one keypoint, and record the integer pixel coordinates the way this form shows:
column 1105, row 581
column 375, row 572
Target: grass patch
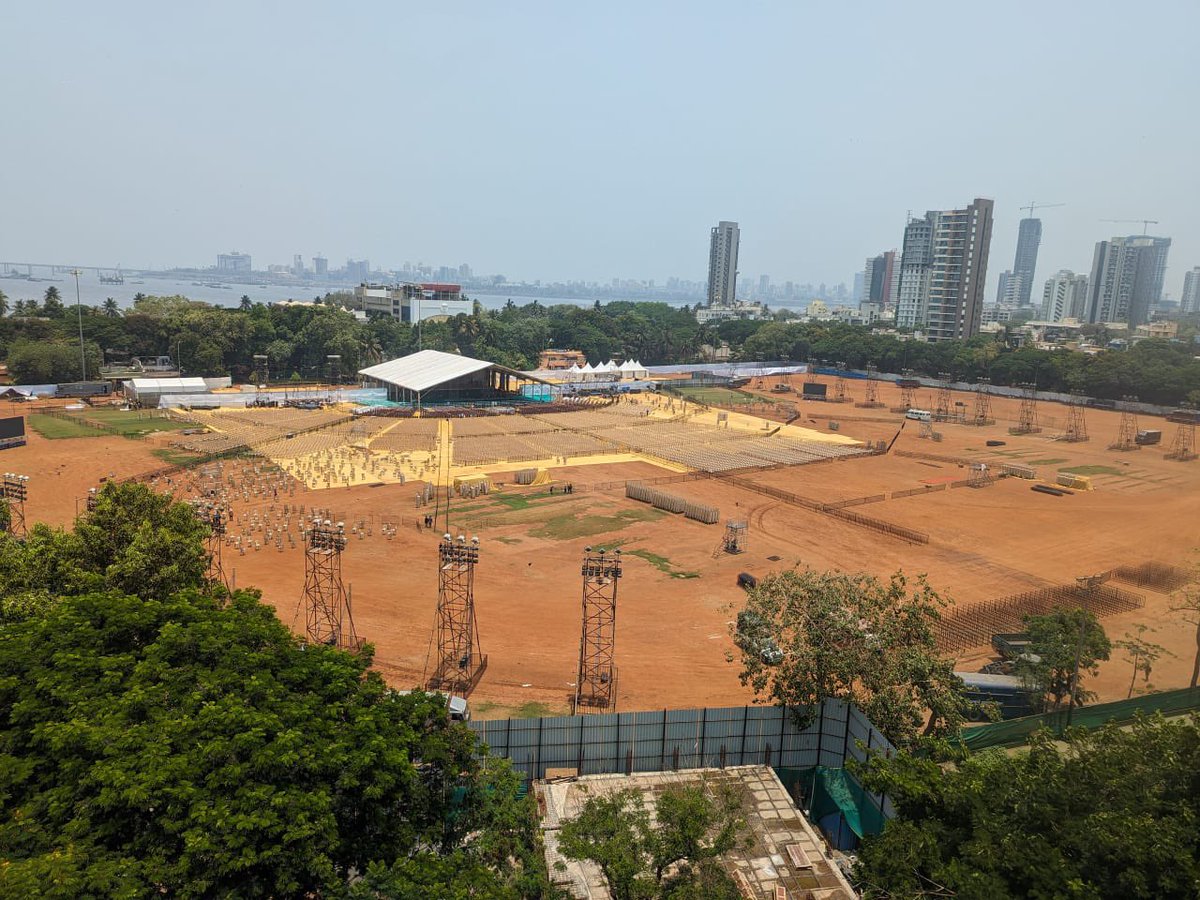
column 54, row 428
column 174, row 457
column 1093, row 470
column 568, row 527
column 1053, row 461
column 533, row 710
column 504, row 539
column 661, row 563
column 131, row 424
column 720, row 395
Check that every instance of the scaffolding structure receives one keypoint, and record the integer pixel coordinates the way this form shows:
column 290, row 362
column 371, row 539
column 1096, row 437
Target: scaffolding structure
column 595, row 682
column 979, row 475
column 839, row 385
column 871, row 389
column 941, row 409
column 1077, row 432
column 1027, row 417
column 908, row 391
column 16, row 492
column 213, row 516
column 1127, row 430
column 735, row 537
column 1183, row 447
column 327, row 615
column 982, row 413
column 93, row 499
column 460, row 663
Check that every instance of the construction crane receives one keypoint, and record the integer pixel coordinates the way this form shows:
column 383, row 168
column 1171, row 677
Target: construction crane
column 1146, row 223
column 1033, row 204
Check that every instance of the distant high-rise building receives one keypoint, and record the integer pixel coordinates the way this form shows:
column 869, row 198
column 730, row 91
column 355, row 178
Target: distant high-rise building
column 1010, row 289
column 1127, row 278
column 723, row 263
column 764, row 285
column 1029, row 238
column 1190, row 302
column 297, row 265
column 233, row 262
column 943, row 269
column 860, row 285
column 1064, row 297
column 881, row 279
column 358, row 270
column 320, row 266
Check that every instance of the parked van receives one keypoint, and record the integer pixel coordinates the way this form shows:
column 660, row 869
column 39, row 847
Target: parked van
column 456, row 707
column 920, row 415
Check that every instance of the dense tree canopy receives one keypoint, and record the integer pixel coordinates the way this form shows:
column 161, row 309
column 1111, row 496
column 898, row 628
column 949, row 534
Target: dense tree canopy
column 1111, row 813
column 808, row 635
column 159, row 737
column 209, row 340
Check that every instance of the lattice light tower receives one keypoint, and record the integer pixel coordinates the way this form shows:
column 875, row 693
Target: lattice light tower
column 460, row 664
column 1027, row 417
column 16, row 492
column 908, row 390
column 735, row 537
column 839, row 386
column 1077, row 432
column 871, row 390
column 942, row 407
column 93, row 499
column 1127, row 430
column 982, row 414
column 327, row 617
column 595, row 682
column 1183, row 447
column 213, row 516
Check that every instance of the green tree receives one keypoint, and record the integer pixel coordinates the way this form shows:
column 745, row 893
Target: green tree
column 245, row 305
column 52, row 304
column 1056, row 641
column 1142, row 655
column 111, row 309
column 694, row 823
column 3, row 304
column 1105, row 814
column 854, row 638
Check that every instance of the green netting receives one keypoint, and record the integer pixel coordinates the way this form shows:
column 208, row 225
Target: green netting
column 1014, row 732
column 826, row 791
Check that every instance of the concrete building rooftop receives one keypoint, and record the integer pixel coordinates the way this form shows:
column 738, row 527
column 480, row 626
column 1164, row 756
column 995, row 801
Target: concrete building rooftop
column 786, row 852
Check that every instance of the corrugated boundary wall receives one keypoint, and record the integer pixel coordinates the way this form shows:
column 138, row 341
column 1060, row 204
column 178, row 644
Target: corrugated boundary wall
column 666, row 740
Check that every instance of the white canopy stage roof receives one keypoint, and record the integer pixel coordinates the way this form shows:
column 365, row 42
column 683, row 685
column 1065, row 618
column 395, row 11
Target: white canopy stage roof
column 445, row 377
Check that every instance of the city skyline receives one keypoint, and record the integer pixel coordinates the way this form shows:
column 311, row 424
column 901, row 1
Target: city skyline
column 560, row 164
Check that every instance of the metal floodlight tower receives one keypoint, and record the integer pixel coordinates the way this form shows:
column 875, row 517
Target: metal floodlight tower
column 460, row 663
column 93, row 499
column 941, row 411
column 871, row 389
column 1127, row 430
column 213, row 516
column 839, row 386
column 1183, row 447
column 327, row 618
column 16, row 492
column 908, row 390
column 735, row 537
column 595, row 682
column 982, row 414
column 1027, row 418
column 1077, row 432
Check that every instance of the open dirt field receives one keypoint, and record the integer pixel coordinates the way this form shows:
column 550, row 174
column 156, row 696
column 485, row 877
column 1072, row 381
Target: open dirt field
column 679, row 595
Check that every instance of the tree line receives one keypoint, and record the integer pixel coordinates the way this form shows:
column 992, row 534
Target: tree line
column 40, row 342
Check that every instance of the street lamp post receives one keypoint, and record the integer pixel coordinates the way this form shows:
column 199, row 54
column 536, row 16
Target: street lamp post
column 79, row 311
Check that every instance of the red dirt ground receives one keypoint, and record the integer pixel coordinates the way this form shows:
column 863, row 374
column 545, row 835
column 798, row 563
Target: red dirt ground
column 672, row 632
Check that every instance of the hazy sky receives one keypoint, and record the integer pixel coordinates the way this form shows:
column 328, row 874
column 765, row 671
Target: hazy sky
column 589, row 140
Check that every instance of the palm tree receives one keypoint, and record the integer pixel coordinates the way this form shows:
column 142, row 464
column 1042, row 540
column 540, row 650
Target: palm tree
column 3, row 303
column 246, row 304
column 52, row 295
column 111, row 309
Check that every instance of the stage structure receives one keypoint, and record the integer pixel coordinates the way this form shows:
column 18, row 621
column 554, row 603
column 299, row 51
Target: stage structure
column 595, row 682
column 16, row 492
column 327, row 616
column 460, row 663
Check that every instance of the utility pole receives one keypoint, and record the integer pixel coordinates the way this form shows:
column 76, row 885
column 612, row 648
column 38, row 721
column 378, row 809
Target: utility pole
column 79, row 311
